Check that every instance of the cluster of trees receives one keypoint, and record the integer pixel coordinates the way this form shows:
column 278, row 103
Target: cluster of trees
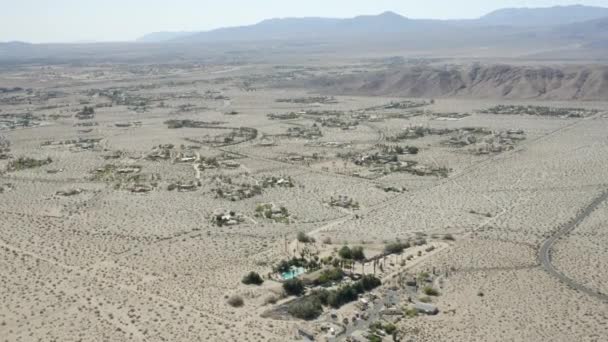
column 396, row 149
column 294, row 287
column 268, row 211
column 355, row 253
column 87, row 110
column 175, row 124
column 312, row 306
column 308, row 308
column 540, row 111
column 286, row 264
column 329, row 276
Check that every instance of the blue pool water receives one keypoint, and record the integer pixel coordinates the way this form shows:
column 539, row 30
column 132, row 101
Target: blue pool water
column 294, row 272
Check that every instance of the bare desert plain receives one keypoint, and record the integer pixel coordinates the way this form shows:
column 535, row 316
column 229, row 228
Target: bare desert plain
column 135, row 200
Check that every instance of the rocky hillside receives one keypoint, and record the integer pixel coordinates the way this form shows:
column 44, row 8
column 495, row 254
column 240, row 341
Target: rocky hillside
column 491, row 81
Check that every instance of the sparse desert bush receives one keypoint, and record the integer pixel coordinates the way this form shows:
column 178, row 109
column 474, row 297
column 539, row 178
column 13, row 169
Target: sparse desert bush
column 236, row 301
column 448, row 237
column 374, row 338
column 303, row 238
column 425, row 299
column 430, row 291
column 389, row 328
column 410, row 312
column 421, row 242
column 396, row 247
column 271, row 299
column 23, row 163
column 252, row 278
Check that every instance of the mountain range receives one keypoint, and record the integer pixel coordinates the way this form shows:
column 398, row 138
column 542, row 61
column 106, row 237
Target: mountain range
column 572, row 21
column 554, row 33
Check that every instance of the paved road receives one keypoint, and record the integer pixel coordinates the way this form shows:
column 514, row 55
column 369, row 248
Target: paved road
column 545, row 249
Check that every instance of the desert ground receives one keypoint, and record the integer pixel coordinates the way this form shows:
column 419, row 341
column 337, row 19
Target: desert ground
column 135, row 198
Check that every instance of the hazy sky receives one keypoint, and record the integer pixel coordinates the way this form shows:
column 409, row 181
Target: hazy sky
column 115, row 20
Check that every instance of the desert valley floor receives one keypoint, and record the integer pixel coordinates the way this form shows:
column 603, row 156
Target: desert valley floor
column 134, row 199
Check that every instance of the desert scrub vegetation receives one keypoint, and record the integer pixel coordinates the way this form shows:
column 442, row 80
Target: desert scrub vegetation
column 396, row 247
column 309, row 100
column 430, row 291
column 110, row 172
column 343, row 202
column 235, row 192
column 388, row 328
column 303, row 238
column 384, row 164
column 284, row 116
column 270, row 211
column 236, row 301
column 270, row 299
column 328, row 276
column 397, row 149
column 86, row 113
column 425, row 299
column 410, row 312
column 417, row 132
column 401, row 105
column 176, row 124
column 23, row 163
column 252, row 278
column 540, row 111
column 309, row 133
column 5, row 148
column 222, row 217
column 272, row 181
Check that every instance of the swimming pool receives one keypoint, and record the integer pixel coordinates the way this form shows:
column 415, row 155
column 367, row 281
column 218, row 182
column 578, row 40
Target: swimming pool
column 292, row 273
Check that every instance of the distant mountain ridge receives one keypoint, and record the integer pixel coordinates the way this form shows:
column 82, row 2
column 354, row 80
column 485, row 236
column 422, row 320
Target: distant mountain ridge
column 163, row 36
column 550, row 16
column 384, row 23
column 536, row 34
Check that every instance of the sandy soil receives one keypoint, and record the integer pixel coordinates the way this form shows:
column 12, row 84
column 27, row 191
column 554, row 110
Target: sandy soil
column 109, row 264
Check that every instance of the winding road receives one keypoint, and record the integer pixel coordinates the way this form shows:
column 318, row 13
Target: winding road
column 544, row 254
